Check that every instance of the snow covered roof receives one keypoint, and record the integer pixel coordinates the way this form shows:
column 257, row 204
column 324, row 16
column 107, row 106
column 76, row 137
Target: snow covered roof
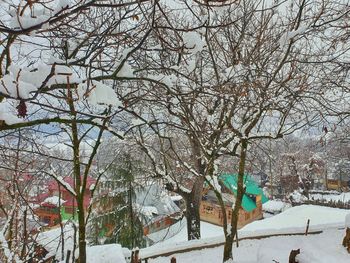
column 53, row 200
column 52, row 185
column 148, row 211
column 176, row 197
column 152, row 201
column 230, row 181
column 275, row 206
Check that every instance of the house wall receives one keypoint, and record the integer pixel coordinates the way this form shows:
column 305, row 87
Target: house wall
column 334, row 184
column 69, row 213
column 48, row 215
column 211, row 213
column 158, row 225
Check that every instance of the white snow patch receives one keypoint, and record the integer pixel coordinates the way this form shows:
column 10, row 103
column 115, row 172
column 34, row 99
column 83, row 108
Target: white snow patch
column 148, row 211
column 111, row 253
column 98, row 93
column 296, row 218
column 6, row 115
column 275, row 206
column 54, row 200
column 193, row 40
column 289, row 35
column 347, row 220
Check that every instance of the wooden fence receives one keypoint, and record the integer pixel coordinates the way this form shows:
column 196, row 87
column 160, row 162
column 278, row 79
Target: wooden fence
column 205, row 246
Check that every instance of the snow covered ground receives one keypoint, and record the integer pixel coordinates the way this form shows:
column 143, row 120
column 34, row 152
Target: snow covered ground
column 95, row 254
column 289, row 221
column 105, row 254
column 322, row 248
column 207, row 231
column 293, row 220
column 52, row 241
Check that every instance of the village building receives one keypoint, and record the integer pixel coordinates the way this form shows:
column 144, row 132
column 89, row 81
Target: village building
column 151, row 207
column 156, row 209
column 57, row 202
column 251, row 209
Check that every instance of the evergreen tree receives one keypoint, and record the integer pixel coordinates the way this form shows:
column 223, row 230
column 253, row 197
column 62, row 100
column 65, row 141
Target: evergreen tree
column 115, row 219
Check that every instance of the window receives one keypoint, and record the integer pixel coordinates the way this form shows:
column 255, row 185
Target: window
column 208, row 210
column 253, row 197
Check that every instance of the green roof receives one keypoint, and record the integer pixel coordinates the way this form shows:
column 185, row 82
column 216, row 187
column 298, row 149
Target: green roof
column 230, row 181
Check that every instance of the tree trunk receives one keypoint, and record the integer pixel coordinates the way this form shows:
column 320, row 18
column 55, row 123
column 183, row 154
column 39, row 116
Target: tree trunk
column 79, row 182
column 235, row 213
column 82, row 231
column 193, row 201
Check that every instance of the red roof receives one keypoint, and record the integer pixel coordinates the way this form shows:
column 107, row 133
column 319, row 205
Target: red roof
column 46, row 204
column 53, row 185
column 69, row 200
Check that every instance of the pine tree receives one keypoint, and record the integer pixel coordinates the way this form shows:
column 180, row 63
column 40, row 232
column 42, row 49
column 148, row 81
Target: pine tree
column 115, row 219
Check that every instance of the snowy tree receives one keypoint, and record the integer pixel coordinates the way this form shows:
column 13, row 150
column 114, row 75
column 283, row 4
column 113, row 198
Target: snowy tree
column 115, row 219
column 243, row 75
column 60, row 62
column 21, row 182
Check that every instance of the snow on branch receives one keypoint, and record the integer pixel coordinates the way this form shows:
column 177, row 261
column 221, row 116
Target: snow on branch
column 24, row 83
column 60, row 180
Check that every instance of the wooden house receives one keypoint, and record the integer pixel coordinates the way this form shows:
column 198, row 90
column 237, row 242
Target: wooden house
column 340, row 185
column 251, row 209
column 50, row 208
column 151, row 207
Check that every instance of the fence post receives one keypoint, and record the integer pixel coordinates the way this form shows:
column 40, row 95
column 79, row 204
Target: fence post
column 137, row 252
column 68, row 256
column 135, row 256
column 307, row 227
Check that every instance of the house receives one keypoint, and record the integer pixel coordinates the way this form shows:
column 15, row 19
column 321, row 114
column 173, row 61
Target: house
column 340, row 185
column 49, row 207
column 156, row 209
column 150, row 206
column 252, row 201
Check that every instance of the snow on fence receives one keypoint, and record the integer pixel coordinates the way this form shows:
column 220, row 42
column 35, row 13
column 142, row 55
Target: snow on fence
column 144, row 255
column 328, row 203
column 323, row 198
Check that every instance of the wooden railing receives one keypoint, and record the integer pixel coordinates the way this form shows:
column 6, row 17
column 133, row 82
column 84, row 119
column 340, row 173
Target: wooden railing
column 213, row 245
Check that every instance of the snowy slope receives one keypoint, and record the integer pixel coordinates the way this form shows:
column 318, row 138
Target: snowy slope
column 296, row 218
column 207, row 231
column 322, row 248
column 325, row 247
column 292, row 220
column 105, row 254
